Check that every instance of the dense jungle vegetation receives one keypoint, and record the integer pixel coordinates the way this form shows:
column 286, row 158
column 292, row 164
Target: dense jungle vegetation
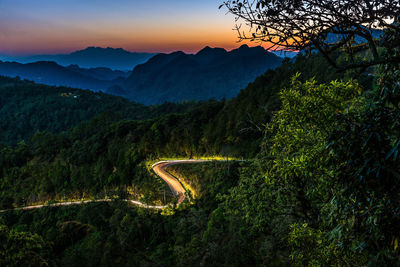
column 26, row 107
column 319, row 188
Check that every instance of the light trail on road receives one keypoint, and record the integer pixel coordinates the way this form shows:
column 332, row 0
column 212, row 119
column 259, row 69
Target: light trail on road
column 159, row 169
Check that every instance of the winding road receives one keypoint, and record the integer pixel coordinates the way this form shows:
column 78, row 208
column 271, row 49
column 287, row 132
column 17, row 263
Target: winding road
column 175, row 186
column 159, row 168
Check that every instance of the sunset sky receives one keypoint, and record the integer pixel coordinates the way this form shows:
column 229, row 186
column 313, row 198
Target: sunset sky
column 62, row 26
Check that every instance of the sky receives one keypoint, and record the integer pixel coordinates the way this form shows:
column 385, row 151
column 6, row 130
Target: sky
column 29, row 27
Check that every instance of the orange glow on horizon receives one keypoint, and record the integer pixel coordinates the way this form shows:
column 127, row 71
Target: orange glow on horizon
column 62, row 43
column 60, row 27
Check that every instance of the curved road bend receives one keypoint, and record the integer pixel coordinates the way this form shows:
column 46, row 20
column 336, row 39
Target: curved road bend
column 175, row 186
column 159, row 169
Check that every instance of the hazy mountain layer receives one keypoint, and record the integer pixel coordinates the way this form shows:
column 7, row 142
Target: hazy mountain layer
column 176, row 77
column 91, row 57
column 51, row 73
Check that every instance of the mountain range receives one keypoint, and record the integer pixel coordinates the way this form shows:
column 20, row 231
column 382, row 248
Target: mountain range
column 91, row 57
column 175, row 77
column 50, row 73
column 212, row 72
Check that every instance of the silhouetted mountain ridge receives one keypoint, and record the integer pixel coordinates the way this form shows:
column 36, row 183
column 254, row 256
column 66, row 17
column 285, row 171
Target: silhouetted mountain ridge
column 175, row 77
column 212, row 72
column 50, row 73
column 100, row 73
column 91, row 57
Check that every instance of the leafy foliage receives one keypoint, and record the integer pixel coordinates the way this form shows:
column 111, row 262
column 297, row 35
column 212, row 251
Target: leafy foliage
column 311, row 247
column 365, row 210
column 22, row 248
column 292, row 178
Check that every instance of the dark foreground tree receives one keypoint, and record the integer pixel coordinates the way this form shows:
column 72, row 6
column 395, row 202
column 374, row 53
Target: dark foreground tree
column 324, row 25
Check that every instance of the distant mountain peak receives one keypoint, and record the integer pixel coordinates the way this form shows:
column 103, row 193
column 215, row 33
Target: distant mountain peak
column 92, row 57
column 211, row 51
column 178, row 53
column 254, row 48
column 96, row 49
column 252, row 51
column 205, row 50
column 101, row 48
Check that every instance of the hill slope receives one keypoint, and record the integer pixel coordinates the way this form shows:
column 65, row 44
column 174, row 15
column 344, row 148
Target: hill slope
column 212, row 72
column 26, row 107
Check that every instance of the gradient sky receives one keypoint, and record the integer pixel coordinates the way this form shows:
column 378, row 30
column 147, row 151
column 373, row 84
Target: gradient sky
column 62, row 26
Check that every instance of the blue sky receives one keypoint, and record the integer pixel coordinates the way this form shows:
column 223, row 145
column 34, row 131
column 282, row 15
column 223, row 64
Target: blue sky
column 61, row 26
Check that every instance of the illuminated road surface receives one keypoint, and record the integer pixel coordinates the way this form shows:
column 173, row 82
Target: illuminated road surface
column 175, row 186
column 69, row 203
column 159, row 168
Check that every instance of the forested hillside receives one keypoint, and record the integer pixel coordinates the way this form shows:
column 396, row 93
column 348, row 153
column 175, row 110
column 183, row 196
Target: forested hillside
column 26, row 107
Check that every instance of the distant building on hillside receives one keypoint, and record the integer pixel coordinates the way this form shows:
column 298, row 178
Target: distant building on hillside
column 69, row 95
